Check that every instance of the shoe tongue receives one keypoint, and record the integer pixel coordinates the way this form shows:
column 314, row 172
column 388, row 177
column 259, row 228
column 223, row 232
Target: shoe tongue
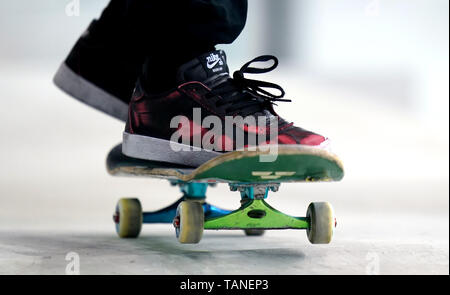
column 203, row 67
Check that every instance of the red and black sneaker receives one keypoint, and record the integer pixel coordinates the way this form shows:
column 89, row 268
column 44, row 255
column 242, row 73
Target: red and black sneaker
column 209, row 113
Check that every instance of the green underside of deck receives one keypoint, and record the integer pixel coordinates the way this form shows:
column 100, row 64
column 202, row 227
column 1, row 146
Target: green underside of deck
column 285, row 168
column 272, row 219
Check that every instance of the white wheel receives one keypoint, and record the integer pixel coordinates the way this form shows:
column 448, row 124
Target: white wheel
column 321, row 222
column 128, row 218
column 189, row 222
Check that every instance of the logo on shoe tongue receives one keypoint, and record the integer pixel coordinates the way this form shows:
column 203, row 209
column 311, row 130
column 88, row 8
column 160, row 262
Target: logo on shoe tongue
column 212, row 60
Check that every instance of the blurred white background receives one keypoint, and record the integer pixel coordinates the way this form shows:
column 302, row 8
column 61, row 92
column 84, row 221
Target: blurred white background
column 370, row 74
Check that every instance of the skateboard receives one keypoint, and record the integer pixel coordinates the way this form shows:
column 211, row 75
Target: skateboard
column 244, row 172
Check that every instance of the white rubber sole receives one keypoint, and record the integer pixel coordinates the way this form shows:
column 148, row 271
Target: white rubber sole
column 156, row 149
column 86, row 92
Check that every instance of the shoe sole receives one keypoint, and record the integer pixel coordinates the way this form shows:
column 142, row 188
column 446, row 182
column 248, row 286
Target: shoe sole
column 156, row 149
column 86, row 92
column 161, row 150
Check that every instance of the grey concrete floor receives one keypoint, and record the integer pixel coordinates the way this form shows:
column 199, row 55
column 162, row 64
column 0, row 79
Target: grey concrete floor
column 56, row 197
column 355, row 250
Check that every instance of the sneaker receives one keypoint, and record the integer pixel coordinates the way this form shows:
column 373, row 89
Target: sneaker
column 175, row 126
column 100, row 72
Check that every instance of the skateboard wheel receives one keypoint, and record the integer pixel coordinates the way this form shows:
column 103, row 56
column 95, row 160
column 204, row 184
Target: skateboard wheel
column 321, row 222
column 254, row 232
column 128, row 218
column 189, row 222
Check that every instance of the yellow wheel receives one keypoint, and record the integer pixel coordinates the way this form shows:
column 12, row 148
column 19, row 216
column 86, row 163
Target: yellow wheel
column 128, row 218
column 321, row 222
column 189, row 222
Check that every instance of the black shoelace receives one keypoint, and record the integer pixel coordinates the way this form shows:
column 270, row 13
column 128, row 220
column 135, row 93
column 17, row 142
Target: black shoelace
column 244, row 96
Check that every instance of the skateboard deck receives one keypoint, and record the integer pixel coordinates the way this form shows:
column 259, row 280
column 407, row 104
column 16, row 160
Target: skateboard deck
column 292, row 164
column 247, row 172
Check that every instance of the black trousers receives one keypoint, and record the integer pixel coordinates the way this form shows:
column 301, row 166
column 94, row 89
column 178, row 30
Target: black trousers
column 168, row 27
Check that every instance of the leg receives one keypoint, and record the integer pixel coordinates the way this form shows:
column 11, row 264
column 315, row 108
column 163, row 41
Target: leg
column 102, row 68
column 193, row 28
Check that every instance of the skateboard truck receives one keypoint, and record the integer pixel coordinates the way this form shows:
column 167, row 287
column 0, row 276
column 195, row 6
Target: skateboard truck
column 255, row 212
